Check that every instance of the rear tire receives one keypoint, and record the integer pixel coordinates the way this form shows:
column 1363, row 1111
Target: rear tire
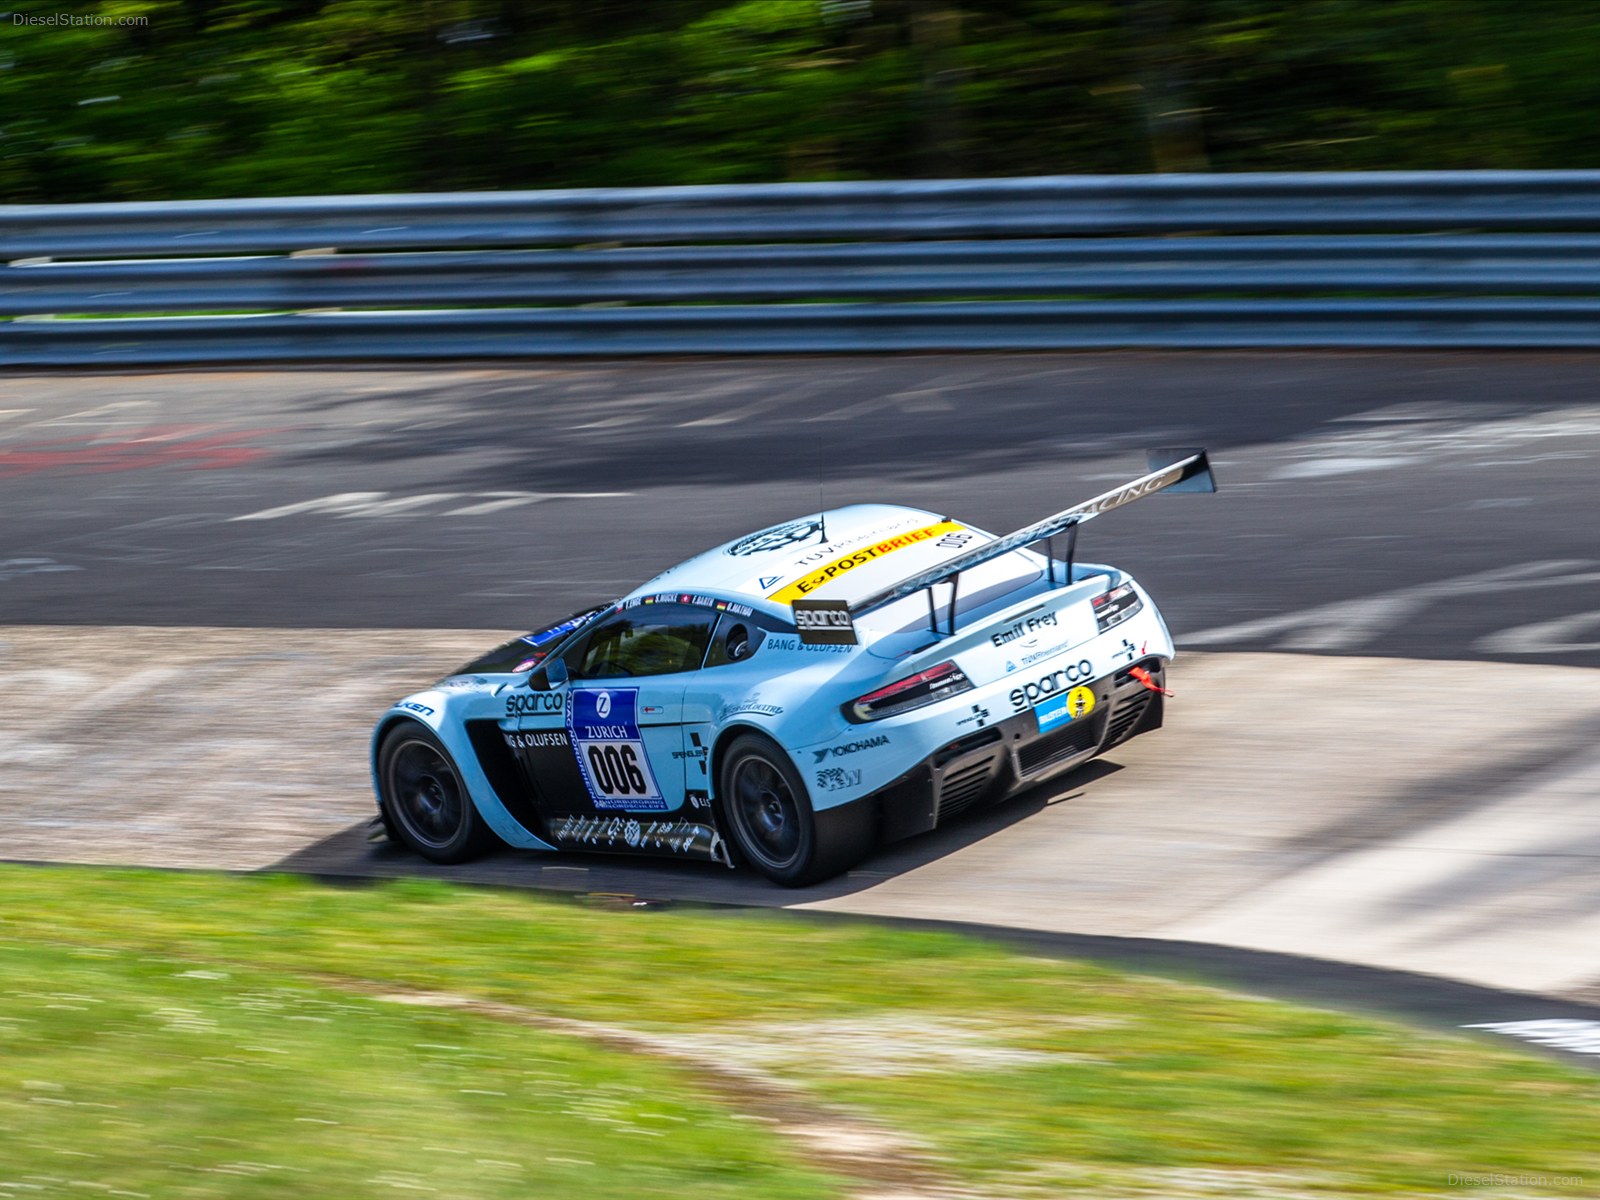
column 424, row 802
column 768, row 815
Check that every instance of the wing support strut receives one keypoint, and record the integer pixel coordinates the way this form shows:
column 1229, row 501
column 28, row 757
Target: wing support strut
column 1187, row 470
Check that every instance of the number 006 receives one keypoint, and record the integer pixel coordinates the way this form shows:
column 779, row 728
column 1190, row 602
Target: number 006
column 616, row 770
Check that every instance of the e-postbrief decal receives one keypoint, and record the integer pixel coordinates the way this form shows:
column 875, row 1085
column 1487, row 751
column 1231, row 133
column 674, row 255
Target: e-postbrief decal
column 603, row 724
column 959, row 537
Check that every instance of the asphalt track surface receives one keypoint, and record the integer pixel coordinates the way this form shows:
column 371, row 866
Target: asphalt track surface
column 1388, row 506
column 1426, row 506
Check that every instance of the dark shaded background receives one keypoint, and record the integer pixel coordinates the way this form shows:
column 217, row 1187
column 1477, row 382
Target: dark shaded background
column 205, row 98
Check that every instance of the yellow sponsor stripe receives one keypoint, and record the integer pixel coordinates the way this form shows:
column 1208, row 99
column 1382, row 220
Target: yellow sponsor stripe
column 816, row 577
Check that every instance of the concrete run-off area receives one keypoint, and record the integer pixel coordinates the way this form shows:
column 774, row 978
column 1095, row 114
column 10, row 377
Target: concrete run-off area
column 195, row 747
column 1433, row 817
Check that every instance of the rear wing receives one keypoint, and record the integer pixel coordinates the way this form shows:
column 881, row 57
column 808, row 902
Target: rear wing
column 1170, row 470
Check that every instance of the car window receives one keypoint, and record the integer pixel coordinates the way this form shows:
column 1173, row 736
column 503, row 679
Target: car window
column 736, row 639
column 529, row 650
column 655, row 639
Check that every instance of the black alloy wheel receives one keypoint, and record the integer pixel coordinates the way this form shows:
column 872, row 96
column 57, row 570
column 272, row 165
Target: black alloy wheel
column 424, row 800
column 766, row 813
column 764, row 806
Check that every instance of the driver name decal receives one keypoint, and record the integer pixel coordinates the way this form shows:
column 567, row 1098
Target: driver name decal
column 603, row 726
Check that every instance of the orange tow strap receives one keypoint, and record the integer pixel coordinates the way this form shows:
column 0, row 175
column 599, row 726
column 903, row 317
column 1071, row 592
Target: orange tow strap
column 1143, row 677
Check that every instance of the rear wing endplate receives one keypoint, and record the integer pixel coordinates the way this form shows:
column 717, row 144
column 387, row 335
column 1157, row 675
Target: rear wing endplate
column 1170, row 471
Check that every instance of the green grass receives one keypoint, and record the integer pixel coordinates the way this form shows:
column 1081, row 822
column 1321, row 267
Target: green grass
column 190, row 1035
column 146, row 1075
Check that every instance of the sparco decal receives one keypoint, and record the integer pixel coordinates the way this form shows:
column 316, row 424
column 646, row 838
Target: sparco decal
column 851, row 747
column 823, row 622
column 1023, row 626
column 823, row 618
column 1029, row 694
column 531, row 704
column 779, row 537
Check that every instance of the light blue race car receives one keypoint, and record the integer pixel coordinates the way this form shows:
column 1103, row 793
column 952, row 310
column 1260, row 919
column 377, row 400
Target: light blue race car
column 792, row 699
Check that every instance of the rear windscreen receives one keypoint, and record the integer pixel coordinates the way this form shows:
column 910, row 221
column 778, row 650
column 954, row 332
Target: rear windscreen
column 529, row 650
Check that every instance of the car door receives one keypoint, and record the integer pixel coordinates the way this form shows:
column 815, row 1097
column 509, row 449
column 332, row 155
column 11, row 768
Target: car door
column 606, row 740
column 725, row 679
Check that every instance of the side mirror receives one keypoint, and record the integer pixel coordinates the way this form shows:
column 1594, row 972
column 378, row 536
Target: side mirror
column 555, row 672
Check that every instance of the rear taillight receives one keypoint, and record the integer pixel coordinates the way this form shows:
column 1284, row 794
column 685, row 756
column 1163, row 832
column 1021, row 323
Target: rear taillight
column 925, row 687
column 1116, row 606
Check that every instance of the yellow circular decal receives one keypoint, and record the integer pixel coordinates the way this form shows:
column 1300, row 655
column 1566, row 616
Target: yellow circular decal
column 1080, row 702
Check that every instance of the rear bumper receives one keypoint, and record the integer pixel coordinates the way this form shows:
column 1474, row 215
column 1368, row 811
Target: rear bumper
column 999, row 760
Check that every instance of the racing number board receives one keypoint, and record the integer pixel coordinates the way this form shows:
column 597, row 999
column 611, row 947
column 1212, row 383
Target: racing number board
column 603, row 726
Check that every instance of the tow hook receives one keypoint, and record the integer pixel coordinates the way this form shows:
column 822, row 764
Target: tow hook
column 1143, row 677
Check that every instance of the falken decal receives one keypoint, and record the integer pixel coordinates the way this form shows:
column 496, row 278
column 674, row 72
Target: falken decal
column 825, row 573
column 603, row 724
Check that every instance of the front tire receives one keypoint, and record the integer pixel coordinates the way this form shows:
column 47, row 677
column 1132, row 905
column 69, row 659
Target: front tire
column 424, row 801
column 770, row 819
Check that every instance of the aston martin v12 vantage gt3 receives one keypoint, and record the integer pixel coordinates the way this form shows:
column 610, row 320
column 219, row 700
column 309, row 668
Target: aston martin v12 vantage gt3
column 792, row 698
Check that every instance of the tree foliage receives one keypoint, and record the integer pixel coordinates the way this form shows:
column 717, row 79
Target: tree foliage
column 280, row 97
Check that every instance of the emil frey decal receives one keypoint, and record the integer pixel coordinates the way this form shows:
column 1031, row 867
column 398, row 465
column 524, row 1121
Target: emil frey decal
column 603, row 724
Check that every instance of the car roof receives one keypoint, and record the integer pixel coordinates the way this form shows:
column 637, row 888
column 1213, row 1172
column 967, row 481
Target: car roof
column 868, row 543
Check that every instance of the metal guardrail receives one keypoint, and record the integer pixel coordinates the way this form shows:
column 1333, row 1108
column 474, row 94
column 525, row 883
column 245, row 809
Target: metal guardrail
column 1530, row 264
column 1382, row 259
